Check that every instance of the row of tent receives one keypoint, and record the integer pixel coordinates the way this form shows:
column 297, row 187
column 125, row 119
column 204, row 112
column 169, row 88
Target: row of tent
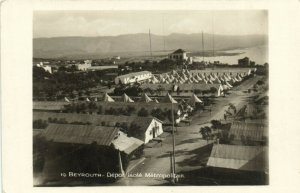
column 188, row 77
column 145, row 98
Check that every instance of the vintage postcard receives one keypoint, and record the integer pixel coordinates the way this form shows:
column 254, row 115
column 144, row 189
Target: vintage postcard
column 115, row 95
column 150, row 98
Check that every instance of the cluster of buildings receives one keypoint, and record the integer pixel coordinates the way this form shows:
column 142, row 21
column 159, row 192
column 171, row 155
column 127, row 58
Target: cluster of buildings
column 242, row 151
column 245, row 156
column 87, row 66
column 110, row 140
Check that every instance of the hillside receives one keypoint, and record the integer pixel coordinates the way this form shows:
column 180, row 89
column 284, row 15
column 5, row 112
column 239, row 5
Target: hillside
column 137, row 44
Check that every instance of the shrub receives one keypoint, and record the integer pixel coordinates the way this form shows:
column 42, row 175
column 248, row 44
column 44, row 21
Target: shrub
column 143, row 113
column 39, row 124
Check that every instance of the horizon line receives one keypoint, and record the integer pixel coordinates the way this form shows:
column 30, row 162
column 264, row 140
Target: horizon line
column 147, row 35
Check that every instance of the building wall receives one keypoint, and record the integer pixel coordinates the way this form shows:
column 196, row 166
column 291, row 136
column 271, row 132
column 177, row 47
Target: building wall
column 149, row 134
column 181, row 56
column 131, row 79
column 83, row 67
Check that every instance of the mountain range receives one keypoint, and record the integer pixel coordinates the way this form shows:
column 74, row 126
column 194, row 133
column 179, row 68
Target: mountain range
column 138, row 44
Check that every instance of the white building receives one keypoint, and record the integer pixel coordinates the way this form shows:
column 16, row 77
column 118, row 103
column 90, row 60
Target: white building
column 133, row 77
column 45, row 67
column 179, row 54
column 85, row 66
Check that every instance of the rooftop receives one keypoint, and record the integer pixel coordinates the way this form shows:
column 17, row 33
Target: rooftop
column 134, row 74
column 80, row 134
column 179, row 51
column 246, row 158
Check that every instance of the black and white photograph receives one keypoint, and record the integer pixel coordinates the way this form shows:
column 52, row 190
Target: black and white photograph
column 150, row 98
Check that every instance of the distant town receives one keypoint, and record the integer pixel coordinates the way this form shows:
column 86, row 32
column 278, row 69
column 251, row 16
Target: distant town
column 169, row 120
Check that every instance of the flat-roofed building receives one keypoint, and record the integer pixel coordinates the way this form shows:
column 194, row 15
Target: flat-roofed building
column 133, row 77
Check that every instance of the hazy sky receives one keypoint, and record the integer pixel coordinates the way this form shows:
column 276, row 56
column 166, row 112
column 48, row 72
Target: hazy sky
column 111, row 23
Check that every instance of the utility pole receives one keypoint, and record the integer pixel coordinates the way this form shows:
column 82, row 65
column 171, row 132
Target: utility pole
column 202, row 48
column 213, row 38
column 173, row 152
column 150, row 43
column 164, row 34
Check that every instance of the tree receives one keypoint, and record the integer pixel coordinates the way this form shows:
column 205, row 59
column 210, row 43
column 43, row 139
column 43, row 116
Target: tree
column 130, row 110
column 206, row 132
column 231, row 106
column 215, row 124
column 100, row 109
column 39, row 124
column 133, row 131
column 158, row 113
column 143, row 112
column 213, row 90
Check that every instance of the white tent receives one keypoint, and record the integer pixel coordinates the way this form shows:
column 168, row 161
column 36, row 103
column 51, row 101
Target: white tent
column 154, row 80
column 215, row 76
column 198, row 78
column 185, row 77
column 156, row 101
column 225, row 87
column 145, row 98
column 66, row 99
column 107, row 98
column 126, row 99
column 193, row 100
column 211, row 78
column 87, row 99
column 218, row 80
column 169, row 99
column 229, row 85
column 229, row 77
column 249, row 71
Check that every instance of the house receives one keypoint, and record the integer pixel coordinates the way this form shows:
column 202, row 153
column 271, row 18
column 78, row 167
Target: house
column 86, row 148
column 133, row 77
column 127, row 144
column 179, row 54
column 237, row 165
column 143, row 128
column 80, row 134
column 236, row 157
column 245, row 133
